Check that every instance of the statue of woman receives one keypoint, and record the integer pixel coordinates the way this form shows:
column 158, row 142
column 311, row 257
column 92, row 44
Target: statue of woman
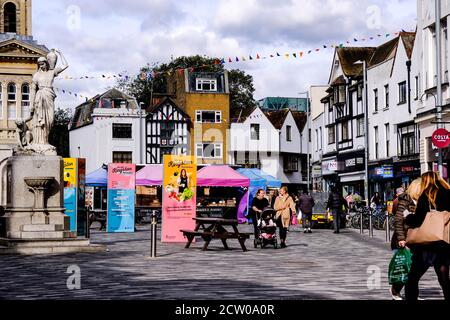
column 43, row 108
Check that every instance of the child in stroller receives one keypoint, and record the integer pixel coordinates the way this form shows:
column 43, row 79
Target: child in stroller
column 267, row 229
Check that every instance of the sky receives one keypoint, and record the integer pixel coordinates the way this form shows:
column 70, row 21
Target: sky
column 108, row 37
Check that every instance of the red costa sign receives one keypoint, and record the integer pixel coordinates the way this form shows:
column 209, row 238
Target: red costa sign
column 441, row 138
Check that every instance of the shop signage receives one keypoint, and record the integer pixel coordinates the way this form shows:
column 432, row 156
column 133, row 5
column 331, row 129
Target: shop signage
column 179, row 197
column 385, row 172
column 351, row 162
column 121, row 197
column 329, row 167
column 316, row 171
column 441, row 138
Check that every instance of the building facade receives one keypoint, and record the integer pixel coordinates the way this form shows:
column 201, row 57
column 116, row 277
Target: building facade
column 205, row 98
column 108, row 129
column 273, row 142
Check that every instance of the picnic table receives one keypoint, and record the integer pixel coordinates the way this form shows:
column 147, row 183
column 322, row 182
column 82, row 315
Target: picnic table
column 214, row 228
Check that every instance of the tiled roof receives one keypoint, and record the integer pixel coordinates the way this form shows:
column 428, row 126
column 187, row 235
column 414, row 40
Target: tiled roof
column 349, row 55
column 277, row 118
column 300, row 119
column 240, row 115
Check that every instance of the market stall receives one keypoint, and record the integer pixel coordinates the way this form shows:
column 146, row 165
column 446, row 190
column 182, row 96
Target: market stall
column 256, row 183
column 149, row 182
column 271, row 182
column 96, row 189
column 222, row 192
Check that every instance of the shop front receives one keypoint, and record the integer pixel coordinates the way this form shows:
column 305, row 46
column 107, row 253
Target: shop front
column 329, row 173
column 352, row 172
column 406, row 172
column 382, row 180
column 432, row 158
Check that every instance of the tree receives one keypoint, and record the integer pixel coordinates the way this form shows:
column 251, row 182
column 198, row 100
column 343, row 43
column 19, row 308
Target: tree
column 241, row 84
column 59, row 135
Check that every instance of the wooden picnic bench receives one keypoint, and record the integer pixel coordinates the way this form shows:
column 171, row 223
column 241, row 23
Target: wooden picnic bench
column 213, row 228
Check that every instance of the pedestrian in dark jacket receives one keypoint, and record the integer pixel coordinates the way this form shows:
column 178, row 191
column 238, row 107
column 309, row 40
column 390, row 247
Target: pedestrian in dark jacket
column 405, row 202
column 435, row 194
column 335, row 204
column 305, row 205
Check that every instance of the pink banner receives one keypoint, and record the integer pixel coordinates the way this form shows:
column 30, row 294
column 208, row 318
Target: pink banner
column 121, row 176
column 179, row 197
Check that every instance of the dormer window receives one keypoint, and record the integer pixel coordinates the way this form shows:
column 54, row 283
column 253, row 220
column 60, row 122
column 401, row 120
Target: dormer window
column 209, row 85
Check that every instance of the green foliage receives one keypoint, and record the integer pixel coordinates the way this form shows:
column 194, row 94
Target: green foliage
column 240, row 84
column 59, row 135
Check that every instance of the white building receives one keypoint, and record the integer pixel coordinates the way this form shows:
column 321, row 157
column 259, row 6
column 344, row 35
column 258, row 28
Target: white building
column 424, row 65
column 392, row 104
column 273, row 142
column 108, row 129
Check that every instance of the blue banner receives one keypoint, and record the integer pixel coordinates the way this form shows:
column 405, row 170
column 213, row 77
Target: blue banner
column 120, row 210
column 70, row 203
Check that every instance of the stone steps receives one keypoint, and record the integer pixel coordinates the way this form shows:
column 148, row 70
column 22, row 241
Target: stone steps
column 36, row 250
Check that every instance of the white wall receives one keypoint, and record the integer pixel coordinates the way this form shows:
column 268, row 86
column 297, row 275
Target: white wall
column 96, row 142
column 296, row 145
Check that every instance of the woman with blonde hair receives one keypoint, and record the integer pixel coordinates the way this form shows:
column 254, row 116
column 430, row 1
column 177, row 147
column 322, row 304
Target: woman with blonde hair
column 406, row 202
column 284, row 205
column 435, row 194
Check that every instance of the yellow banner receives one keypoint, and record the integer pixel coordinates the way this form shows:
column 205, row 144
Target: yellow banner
column 70, row 173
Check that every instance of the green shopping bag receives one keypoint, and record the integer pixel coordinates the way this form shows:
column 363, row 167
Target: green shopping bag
column 399, row 266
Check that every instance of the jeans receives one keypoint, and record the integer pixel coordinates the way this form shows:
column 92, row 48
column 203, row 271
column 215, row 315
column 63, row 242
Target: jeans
column 336, row 220
column 306, row 220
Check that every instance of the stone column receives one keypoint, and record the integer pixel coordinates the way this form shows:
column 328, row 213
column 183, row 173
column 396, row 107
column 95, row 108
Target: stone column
column 4, row 106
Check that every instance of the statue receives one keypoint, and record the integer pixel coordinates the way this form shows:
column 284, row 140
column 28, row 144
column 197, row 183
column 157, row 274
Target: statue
column 43, row 106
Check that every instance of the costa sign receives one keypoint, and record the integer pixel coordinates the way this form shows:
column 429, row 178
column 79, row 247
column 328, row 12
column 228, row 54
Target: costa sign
column 441, row 138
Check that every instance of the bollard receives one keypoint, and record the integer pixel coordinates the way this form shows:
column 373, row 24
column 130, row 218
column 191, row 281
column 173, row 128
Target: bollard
column 154, row 234
column 370, row 225
column 361, row 227
column 88, row 232
column 388, row 228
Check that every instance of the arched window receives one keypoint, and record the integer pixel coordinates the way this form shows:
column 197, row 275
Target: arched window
column 25, row 100
column 10, row 17
column 12, row 101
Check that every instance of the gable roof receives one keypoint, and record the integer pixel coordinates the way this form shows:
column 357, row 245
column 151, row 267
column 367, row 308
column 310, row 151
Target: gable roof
column 83, row 113
column 162, row 103
column 240, row 115
column 277, row 118
column 349, row 55
column 300, row 119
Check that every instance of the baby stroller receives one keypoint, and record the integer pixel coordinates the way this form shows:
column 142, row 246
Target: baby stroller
column 267, row 229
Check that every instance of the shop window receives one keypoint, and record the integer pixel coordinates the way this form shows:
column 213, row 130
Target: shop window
column 290, row 163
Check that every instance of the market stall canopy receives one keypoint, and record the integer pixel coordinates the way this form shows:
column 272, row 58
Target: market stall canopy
column 255, row 180
column 98, row 178
column 221, row 176
column 272, row 182
column 150, row 175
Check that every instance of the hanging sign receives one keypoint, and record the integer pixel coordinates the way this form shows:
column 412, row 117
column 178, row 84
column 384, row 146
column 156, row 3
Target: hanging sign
column 441, row 138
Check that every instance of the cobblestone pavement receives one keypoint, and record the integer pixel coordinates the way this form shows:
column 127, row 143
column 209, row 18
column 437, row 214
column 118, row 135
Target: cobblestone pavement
column 321, row 265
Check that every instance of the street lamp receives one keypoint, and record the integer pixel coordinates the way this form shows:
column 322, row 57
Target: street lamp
column 308, row 160
column 438, row 125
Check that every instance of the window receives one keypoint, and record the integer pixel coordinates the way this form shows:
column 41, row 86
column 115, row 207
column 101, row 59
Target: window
column 310, row 135
column 288, row 133
column 122, row 157
column 402, row 92
column 254, row 132
column 407, row 139
column 206, row 85
column 416, row 88
column 122, row 131
column 247, row 159
column 331, row 135
column 290, row 163
column 25, row 101
column 376, row 141
column 209, row 150
column 1, row 101
column 12, row 101
column 320, row 132
column 360, row 129
column 388, row 138
column 10, row 17
column 208, row 116
column 375, row 99
column 345, row 131
column 386, row 96
column 317, row 140
column 359, row 94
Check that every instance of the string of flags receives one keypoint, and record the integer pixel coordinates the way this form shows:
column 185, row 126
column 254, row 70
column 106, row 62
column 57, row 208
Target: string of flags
column 150, row 75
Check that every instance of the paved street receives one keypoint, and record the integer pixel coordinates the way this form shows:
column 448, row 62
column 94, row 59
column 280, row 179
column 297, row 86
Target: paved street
column 321, row 265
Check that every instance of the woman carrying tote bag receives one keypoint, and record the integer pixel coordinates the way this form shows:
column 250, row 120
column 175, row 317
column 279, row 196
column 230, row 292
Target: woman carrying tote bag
column 435, row 195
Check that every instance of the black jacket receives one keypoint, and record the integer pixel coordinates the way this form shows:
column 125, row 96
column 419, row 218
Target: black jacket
column 336, row 201
column 306, row 203
column 423, row 207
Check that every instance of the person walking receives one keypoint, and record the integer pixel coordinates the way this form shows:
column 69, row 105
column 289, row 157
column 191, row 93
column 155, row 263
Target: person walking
column 283, row 206
column 305, row 205
column 335, row 204
column 259, row 203
column 435, row 194
column 272, row 197
column 376, row 200
column 404, row 202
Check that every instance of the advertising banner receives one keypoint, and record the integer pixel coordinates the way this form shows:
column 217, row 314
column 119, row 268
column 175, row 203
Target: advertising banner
column 179, row 197
column 70, row 191
column 121, row 197
column 81, row 196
